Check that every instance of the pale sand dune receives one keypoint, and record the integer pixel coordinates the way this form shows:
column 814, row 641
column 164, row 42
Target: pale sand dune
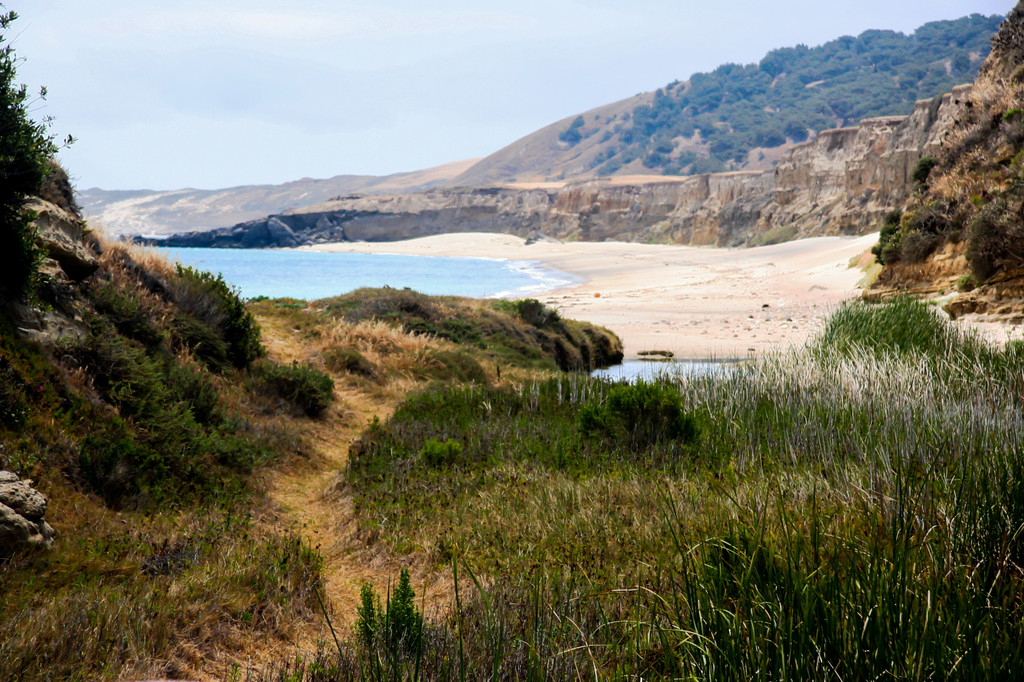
column 695, row 302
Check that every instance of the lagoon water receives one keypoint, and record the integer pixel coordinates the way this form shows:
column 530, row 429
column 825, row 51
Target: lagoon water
column 635, row 370
column 312, row 274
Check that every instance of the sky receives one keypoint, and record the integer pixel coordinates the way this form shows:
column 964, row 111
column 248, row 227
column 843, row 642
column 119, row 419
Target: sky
column 189, row 93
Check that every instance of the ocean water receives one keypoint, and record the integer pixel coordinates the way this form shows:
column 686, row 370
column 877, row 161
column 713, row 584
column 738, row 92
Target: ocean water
column 311, row 274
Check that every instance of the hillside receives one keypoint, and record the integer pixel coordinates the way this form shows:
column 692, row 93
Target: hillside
column 147, row 212
column 960, row 237
column 740, row 117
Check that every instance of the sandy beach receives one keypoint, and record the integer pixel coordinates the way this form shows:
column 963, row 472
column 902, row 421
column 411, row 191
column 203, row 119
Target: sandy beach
column 696, row 302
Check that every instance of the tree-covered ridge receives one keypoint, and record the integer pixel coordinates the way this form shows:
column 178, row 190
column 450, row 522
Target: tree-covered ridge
column 714, row 120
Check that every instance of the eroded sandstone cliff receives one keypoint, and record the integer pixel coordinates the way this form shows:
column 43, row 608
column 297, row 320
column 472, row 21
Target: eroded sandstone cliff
column 842, row 182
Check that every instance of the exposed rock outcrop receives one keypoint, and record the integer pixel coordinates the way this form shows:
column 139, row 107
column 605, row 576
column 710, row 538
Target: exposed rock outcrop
column 22, row 508
column 841, row 182
column 62, row 235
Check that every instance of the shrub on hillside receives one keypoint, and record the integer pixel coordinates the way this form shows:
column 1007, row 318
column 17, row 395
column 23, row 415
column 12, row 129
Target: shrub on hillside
column 168, row 438
column 887, row 250
column 305, row 388
column 209, row 298
column 995, row 238
column 25, row 148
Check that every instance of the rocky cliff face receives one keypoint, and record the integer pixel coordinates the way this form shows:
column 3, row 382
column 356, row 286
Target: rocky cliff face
column 962, row 235
column 842, row 182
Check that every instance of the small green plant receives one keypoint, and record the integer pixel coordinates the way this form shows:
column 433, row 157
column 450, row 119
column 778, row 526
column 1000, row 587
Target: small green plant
column 966, row 282
column 440, row 454
column 369, row 613
column 640, row 415
column 923, row 169
column 396, row 630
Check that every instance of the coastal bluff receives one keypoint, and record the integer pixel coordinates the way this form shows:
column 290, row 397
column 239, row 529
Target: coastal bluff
column 843, row 181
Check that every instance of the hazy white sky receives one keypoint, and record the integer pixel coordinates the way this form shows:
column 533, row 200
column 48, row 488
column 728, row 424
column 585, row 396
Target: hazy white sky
column 189, row 93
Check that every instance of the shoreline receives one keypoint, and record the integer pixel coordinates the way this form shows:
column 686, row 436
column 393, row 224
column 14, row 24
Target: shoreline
column 697, row 302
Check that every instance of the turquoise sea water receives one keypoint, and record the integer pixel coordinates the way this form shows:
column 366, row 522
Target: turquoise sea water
column 311, row 274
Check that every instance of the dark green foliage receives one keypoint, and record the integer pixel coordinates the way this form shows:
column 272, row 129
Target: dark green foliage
column 202, row 340
column 572, row 134
column 641, row 415
column 126, row 312
column 305, row 388
column 14, row 404
column 404, row 622
column 913, row 236
column 369, row 614
column 209, row 298
column 923, row 169
column 170, row 440
column 737, row 108
column 25, row 148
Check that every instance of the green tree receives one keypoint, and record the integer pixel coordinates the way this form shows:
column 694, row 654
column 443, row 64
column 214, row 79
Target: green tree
column 25, row 147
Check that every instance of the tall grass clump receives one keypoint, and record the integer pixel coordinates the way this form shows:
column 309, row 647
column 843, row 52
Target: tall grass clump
column 901, row 326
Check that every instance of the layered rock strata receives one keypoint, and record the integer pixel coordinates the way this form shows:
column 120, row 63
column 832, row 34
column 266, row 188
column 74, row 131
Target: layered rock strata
column 842, row 182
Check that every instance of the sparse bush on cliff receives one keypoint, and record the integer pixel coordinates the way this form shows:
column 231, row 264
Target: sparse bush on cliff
column 923, row 169
column 571, row 135
column 995, row 237
column 887, row 250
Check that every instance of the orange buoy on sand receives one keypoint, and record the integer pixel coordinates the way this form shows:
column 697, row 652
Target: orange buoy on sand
column 597, row 295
